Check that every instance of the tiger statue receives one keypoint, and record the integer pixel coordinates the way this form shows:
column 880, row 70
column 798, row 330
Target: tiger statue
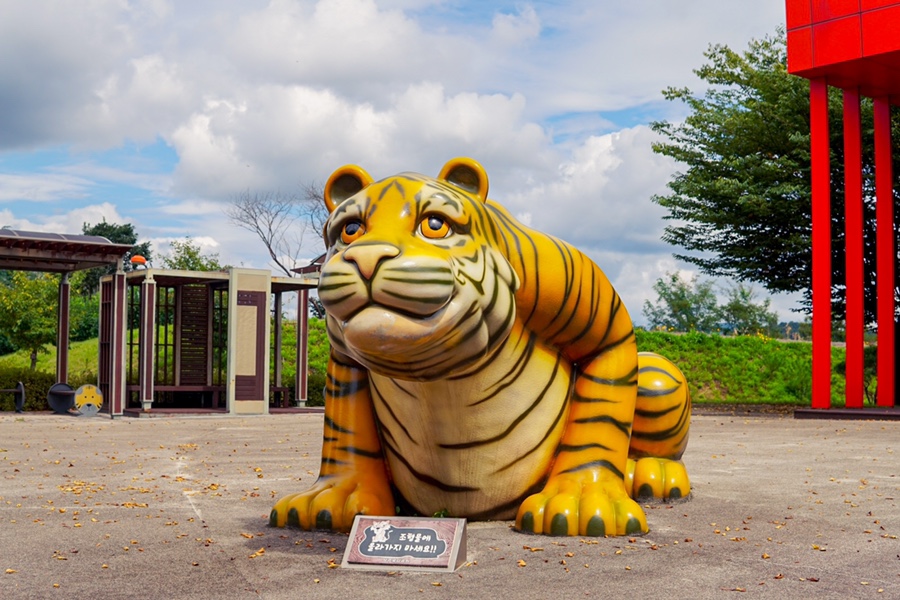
column 480, row 369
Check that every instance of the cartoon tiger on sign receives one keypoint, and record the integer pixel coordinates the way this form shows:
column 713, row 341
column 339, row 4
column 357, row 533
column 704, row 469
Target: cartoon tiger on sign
column 480, row 369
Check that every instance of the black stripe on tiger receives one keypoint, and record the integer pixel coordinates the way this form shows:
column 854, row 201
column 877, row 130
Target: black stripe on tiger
column 628, row 379
column 678, row 428
column 435, row 300
column 562, row 411
column 569, row 448
column 623, row 426
column 446, row 487
column 576, row 397
column 330, row 424
column 360, row 452
column 605, row 464
column 515, row 423
column 506, row 227
column 513, row 374
column 379, row 397
column 661, row 371
column 653, row 413
column 655, row 393
column 415, row 275
column 593, row 305
column 569, row 281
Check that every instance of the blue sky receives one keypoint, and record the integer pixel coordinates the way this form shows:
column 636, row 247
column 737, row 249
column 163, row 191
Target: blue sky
column 159, row 113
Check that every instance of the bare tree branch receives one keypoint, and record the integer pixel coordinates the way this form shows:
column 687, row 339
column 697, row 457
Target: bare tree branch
column 280, row 221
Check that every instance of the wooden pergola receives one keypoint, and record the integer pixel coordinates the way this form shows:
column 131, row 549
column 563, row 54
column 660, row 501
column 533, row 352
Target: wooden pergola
column 198, row 341
column 63, row 254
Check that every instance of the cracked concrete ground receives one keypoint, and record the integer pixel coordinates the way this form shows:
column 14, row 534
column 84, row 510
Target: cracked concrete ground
column 178, row 507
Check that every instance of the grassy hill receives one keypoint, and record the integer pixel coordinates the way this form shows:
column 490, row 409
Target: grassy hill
column 720, row 370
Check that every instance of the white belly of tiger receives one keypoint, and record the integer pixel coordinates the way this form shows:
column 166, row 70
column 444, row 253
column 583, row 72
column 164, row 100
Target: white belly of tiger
column 477, row 445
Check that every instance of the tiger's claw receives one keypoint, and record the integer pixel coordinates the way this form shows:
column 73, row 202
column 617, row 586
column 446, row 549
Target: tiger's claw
column 657, row 478
column 571, row 507
column 332, row 504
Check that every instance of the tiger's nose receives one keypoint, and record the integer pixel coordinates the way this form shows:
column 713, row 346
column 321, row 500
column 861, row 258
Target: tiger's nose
column 368, row 256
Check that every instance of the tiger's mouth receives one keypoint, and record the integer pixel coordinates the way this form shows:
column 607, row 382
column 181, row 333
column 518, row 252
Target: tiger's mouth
column 379, row 329
column 413, row 347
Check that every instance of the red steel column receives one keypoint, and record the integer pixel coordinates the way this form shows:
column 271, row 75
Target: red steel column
column 884, row 216
column 853, row 232
column 821, row 244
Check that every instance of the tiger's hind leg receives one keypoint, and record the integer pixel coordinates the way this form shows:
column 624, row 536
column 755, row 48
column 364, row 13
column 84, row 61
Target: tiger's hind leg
column 660, row 432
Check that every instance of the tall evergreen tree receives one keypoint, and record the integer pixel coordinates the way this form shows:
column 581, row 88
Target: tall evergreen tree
column 740, row 206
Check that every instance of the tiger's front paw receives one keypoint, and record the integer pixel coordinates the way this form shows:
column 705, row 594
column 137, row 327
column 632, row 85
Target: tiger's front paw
column 658, row 478
column 571, row 506
column 332, row 503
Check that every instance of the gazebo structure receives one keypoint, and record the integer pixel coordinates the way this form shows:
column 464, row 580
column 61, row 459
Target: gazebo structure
column 853, row 45
column 197, row 341
column 63, row 254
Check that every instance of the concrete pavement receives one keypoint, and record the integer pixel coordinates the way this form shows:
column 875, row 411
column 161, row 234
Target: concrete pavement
column 177, row 508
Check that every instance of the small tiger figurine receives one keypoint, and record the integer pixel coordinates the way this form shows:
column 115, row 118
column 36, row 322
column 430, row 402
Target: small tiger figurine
column 480, row 369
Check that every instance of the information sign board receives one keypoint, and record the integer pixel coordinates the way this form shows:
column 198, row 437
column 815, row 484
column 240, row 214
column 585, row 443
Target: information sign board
column 411, row 543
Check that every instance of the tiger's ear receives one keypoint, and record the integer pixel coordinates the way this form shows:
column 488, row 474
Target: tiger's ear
column 343, row 183
column 467, row 174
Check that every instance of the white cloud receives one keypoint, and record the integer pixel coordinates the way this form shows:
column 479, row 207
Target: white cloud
column 63, row 222
column 41, row 187
column 271, row 95
column 601, row 196
column 515, row 29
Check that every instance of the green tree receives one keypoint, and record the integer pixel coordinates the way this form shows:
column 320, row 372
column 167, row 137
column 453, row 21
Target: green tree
column 741, row 205
column 186, row 255
column 683, row 305
column 742, row 314
column 28, row 304
column 84, row 317
column 87, row 282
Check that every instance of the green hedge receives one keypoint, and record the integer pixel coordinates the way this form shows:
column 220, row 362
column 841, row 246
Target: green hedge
column 719, row 369
column 743, row 369
column 37, row 384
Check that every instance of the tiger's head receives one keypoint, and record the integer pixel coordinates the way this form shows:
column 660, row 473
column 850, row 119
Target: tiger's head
column 414, row 283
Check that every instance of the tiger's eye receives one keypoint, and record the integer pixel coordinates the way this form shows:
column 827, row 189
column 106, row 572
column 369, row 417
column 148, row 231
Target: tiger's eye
column 352, row 231
column 434, row 227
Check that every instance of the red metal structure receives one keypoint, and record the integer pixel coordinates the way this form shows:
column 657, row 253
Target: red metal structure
column 853, row 45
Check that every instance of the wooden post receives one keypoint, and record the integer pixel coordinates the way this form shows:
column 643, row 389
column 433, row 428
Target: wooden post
column 302, row 342
column 146, row 370
column 62, row 330
column 277, row 341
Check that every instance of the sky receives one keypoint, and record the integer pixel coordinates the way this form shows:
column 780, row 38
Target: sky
column 160, row 113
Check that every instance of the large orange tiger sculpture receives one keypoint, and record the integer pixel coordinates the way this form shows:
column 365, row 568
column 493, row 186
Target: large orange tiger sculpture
column 480, row 369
